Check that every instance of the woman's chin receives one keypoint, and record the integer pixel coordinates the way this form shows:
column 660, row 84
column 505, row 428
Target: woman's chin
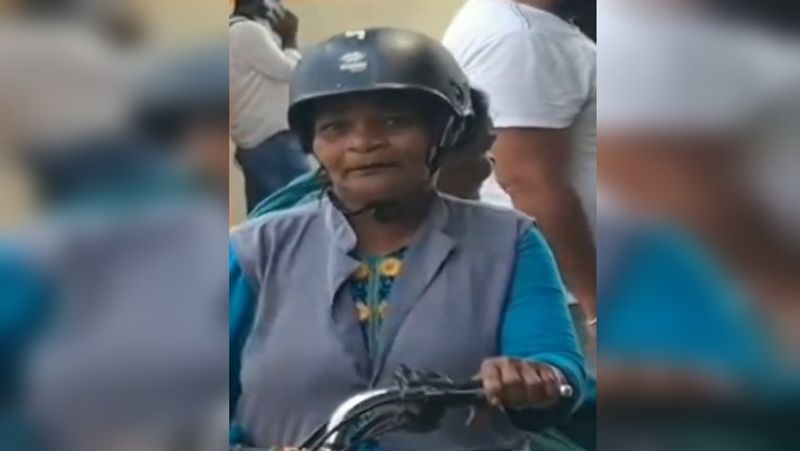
column 372, row 189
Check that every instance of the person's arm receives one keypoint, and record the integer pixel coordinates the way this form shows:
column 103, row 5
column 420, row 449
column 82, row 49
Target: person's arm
column 538, row 345
column 534, row 167
column 252, row 41
column 241, row 307
column 538, row 86
column 653, row 349
column 536, row 323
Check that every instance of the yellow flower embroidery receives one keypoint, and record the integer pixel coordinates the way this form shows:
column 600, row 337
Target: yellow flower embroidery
column 364, row 312
column 362, row 272
column 383, row 310
column 391, row 267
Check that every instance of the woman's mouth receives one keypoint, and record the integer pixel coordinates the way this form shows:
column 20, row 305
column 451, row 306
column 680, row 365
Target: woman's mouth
column 371, row 168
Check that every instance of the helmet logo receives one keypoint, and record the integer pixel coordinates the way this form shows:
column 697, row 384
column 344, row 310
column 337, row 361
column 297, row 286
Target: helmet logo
column 353, row 62
column 358, row 34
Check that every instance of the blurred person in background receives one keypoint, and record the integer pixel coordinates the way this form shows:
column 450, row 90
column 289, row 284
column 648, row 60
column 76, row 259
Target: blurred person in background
column 682, row 236
column 538, row 70
column 65, row 75
column 397, row 262
column 684, row 138
column 770, row 214
column 185, row 111
column 64, row 78
column 121, row 289
column 263, row 54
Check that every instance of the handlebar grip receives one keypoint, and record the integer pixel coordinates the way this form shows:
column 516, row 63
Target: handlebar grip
column 564, row 390
column 474, row 384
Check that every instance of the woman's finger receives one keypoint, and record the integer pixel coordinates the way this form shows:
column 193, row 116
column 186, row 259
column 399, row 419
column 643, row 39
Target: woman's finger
column 534, row 387
column 514, row 390
column 550, row 384
column 492, row 382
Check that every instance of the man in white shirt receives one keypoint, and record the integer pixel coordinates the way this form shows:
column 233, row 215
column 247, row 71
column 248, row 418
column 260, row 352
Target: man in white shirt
column 539, row 72
column 263, row 54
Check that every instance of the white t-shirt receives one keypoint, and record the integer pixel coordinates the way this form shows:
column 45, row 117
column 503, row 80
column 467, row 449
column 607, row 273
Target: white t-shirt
column 538, row 71
column 674, row 71
column 696, row 75
column 260, row 71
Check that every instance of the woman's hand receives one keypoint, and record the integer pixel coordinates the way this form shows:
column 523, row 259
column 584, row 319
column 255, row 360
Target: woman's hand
column 286, row 24
column 520, row 384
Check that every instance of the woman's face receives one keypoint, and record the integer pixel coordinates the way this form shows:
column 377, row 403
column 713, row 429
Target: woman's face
column 374, row 148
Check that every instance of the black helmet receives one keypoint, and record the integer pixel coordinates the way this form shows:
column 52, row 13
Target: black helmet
column 381, row 59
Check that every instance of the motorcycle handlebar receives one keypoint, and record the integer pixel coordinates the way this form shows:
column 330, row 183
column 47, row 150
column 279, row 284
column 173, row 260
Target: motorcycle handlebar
column 447, row 392
column 472, row 391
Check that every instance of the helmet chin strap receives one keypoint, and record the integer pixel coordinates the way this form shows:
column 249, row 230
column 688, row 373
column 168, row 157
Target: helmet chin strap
column 384, row 211
column 435, row 154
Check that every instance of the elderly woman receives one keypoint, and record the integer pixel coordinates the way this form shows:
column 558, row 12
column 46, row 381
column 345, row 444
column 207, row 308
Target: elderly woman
column 330, row 298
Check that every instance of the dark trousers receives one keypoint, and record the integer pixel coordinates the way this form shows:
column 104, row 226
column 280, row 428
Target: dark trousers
column 270, row 166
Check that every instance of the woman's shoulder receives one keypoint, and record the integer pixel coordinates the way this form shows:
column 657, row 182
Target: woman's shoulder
column 486, row 227
column 471, row 210
column 277, row 222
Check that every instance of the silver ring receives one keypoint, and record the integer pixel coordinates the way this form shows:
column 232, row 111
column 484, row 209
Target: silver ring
column 565, row 390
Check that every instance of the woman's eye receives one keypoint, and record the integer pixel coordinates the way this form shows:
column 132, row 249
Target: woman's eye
column 394, row 121
column 331, row 127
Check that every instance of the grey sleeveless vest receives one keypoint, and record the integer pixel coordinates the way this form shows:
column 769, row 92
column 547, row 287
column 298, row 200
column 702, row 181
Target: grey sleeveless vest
column 306, row 354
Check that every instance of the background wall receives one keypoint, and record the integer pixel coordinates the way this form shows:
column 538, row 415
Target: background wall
column 323, row 18
column 320, row 19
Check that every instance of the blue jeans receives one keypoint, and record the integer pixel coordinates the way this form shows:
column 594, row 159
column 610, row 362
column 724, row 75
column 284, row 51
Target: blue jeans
column 270, row 166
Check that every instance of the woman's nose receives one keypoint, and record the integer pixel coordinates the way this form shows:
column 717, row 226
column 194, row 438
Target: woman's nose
column 365, row 138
